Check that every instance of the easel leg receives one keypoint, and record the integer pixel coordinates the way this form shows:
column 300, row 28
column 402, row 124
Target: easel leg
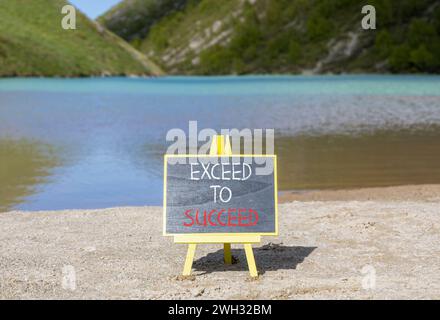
column 227, row 252
column 251, row 260
column 189, row 259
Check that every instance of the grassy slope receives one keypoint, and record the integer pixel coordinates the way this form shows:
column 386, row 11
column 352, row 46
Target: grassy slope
column 143, row 14
column 291, row 36
column 32, row 43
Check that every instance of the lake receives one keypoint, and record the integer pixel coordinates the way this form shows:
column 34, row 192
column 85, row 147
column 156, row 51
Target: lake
column 96, row 143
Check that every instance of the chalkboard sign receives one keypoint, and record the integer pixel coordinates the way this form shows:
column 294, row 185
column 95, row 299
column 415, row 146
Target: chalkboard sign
column 220, row 194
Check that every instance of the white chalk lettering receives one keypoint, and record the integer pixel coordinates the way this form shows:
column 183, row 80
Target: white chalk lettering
column 223, row 171
column 205, row 171
column 215, row 192
column 193, row 172
column 245, row 165
column 221, row 195
column 235, row 171
column 213, row 170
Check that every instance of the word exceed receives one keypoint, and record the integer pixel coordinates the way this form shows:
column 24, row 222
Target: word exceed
column 221, row 171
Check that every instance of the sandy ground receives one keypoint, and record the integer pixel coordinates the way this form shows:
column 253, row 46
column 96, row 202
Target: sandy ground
column 374, row 243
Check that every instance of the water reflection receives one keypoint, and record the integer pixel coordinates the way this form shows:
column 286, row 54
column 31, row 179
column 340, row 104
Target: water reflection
column 381, row 158
column 24, row 165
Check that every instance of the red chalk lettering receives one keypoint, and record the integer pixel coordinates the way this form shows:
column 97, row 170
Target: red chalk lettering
column 204, row 218
column 218, row 218
column 242, row 217
column 187, row 214
column 210, row 216
column 231, row 217
column 255, row 214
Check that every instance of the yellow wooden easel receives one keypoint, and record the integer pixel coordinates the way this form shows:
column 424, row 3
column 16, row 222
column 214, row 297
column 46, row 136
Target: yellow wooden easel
column 220, row 146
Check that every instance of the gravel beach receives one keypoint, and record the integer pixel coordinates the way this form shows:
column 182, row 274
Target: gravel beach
column 381, row 243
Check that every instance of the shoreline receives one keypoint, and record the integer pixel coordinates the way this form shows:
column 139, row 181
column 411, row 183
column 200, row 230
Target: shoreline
column 324, row 251
column 421, row 192
column 146, row 75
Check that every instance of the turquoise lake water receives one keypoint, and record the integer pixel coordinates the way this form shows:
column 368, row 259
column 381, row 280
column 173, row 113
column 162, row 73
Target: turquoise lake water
column 94, row 143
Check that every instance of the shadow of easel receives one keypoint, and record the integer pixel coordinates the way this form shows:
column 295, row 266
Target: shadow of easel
column 270, row 257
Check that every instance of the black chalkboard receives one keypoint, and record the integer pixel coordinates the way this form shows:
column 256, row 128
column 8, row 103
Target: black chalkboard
column 220, row 194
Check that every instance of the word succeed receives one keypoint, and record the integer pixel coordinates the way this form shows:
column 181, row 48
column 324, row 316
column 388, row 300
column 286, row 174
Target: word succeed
column 219, row 194
column 222, row 217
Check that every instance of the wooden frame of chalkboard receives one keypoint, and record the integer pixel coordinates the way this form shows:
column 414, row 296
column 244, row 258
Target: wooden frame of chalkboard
column 221, row 234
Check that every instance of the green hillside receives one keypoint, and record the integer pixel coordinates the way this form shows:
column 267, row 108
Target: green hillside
column 32, row 43
column 285, row 36
column 142, row 15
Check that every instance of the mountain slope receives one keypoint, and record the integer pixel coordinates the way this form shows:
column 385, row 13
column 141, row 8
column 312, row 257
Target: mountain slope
column 142, row 15
column 33, row 43
column 290, row 36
